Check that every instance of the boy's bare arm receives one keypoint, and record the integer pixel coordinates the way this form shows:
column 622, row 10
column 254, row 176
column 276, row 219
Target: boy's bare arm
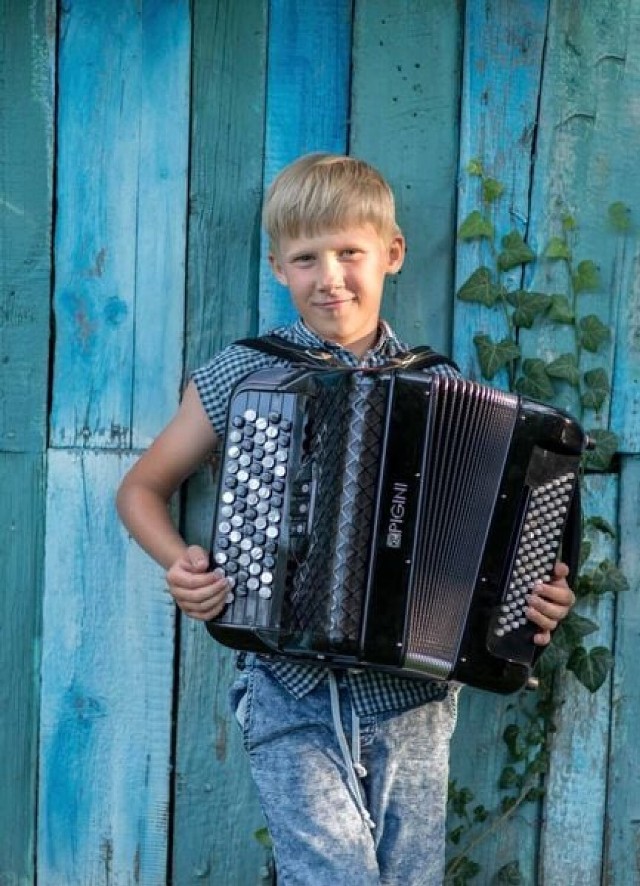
column 146, row 490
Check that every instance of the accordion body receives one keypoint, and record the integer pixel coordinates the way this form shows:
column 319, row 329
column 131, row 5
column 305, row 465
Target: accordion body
column 391, row 519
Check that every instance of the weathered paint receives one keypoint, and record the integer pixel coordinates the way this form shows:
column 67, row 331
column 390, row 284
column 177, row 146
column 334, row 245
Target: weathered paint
column 404, row 120
column 307, row 105
column 590, row 84
column 107, row 676
column 576, row 786
column 27, row 72
column 121, row 181
column 622, row 859
column 21, row 549
column 121, row 176
column 27, row 69
column 503, row 56
column 216, row 811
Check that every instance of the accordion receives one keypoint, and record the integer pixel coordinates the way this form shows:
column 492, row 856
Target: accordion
column 391, row 519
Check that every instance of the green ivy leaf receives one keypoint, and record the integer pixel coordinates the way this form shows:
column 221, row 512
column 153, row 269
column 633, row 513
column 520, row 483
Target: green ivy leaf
column 565, row 367
column 569, row 223
column 480, row 814
column 598, row 387
column 512, row 739
column 480, row 288
column 591, row 667
column 593, row 332
column 606, row 578
column 494, row 356
column 534, row 381
column 528, row 305
column 620, row 216
column 571, row 631
column 555, row 656
column 585, row 552
column 560, row 309
column 599, row 459
column 474, row 167
column 586, row 277
column 491, row 190
column 263, row 837
column 509, row 779
column 456, row 834
column 600, row 525
column 515, row 252
column 476, row 226
column 557, row 248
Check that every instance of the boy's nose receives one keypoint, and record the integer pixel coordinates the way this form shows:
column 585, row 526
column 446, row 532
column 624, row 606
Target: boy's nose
column 330, row 273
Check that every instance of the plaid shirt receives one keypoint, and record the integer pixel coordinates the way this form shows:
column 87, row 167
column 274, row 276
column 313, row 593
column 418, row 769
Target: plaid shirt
column 372, row 691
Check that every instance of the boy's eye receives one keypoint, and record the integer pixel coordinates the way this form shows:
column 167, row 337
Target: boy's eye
column 304, row 259
column 350, row 253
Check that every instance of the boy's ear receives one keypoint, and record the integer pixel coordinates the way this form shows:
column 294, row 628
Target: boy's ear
column 276, row 268
column 397, row 251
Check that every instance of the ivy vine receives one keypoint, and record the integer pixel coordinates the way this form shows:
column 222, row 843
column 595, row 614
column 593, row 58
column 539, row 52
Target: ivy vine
column 527, row 737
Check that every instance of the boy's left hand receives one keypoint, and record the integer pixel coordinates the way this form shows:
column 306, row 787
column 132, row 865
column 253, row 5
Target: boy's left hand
column 550, row 603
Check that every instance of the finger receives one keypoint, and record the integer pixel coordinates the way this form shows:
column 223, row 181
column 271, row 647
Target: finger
column 198, row 558
column 542, row 639
column 559, row 593
column 560, row 570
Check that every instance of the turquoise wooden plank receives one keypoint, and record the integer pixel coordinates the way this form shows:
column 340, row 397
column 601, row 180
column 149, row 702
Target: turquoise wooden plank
column 216, row 810
column 26, row 170
column 404, row 120
column 107, row 675
column 225, row 187
column 576, row 786
column 21, row 547
column 583, row 166
column 622, row 861
column 503, row 53
column 307, row 105
column 122, row 153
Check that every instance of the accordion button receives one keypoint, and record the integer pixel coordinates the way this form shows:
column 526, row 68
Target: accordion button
column 270, row 548
column 261, row 423
column 234, row 536
column 262, row 507
column 260, row 438
column 250, row 415
column 244, row 560
column 271, row 433
column 272, row 531
column 257, row 553
column 280, row 471
column 233, row 452
column 253, row 584
column 273, row 516
column 275, row 416
column 265, row 593
column 231, row 568
column 224, row 528
column 261, row 523
column 268, row 462
column 221, row 558
column 270, row 447
column 246, row 544
column 237, row 521
column 237, row 421
column 266, row 578
column 229, row 598
column 264, row 492
column 254, row 568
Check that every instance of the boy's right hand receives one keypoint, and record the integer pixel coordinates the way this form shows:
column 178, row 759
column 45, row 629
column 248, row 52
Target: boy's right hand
column 199, row 592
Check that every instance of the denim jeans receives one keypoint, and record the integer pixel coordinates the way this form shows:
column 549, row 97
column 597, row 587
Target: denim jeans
column 347, row 802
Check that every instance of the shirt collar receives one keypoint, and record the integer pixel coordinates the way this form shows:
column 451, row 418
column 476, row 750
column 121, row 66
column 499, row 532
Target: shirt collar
column 387, row 343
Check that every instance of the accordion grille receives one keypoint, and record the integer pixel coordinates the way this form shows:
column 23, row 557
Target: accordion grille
column 468, row 437
column 329, row 585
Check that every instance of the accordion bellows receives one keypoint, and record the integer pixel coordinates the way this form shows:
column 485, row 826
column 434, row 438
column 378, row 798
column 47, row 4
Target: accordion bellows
column 391, row 519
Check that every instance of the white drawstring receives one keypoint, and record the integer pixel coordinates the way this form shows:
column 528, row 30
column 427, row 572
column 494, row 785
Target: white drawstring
column 353, row 764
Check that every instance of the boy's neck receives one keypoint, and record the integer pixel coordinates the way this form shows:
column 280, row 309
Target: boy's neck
column 359, row 347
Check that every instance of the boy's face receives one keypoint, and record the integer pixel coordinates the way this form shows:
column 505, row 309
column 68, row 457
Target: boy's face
column 336, row 281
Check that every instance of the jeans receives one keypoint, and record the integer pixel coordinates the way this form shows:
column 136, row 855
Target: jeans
column 348, row 801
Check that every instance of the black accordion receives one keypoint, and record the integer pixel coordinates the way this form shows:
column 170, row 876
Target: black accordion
column 391, row 519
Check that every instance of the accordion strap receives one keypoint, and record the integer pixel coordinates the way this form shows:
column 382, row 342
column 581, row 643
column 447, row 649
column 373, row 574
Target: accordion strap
column 421, row 357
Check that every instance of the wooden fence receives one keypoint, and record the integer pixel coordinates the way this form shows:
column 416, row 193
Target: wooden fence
column 136, row 139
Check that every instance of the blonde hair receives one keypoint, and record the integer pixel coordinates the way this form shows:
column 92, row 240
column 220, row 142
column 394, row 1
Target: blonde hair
column 320, row 192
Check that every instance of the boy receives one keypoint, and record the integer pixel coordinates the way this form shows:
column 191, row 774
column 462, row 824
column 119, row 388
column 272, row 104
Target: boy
column 351, row 766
